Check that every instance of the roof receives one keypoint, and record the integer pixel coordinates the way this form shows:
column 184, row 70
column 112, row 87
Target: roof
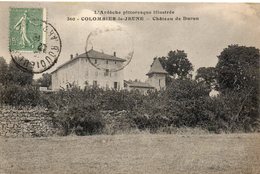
column 138, row 84
column 94, row 55
column 99, row 55
column 156, row 67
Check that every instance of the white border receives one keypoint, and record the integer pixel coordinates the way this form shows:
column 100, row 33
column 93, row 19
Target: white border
column 158, row 1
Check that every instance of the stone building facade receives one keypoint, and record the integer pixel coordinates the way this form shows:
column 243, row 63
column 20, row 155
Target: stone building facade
column 93, row 68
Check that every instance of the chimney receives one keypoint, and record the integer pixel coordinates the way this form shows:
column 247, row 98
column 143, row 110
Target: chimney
column 114, row 53
column 71, row 56
column 77, row 54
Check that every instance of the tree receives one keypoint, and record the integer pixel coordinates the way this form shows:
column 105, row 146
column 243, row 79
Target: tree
column 238, row 68
column 177, row 64
column 3, row 71
column 45, row 80
column 238, row 75
column 17, row 76
column 207, row 75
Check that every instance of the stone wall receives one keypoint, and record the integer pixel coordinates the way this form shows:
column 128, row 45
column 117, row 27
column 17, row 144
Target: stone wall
column 26, row 122
column 40, row 122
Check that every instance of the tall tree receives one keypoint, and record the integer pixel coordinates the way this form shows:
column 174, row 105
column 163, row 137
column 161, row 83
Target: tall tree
column 19, row 77
column 3, row 71
column 177, row 64
column 238, row 75
column 238, row 68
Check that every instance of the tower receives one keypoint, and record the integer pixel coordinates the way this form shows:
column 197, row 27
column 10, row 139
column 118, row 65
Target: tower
column 157, row 75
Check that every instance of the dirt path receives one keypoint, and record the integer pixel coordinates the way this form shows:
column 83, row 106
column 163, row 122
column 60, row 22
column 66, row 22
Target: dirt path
column 132, row 154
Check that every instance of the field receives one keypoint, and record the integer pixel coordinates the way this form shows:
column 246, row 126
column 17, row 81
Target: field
column 132, row 154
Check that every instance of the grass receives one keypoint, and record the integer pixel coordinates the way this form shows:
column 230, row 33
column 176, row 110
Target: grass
column 132, row 154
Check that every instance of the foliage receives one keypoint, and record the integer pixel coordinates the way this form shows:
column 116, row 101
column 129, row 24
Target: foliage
column 185, row 102
column 80, row 109
column 15, row 86
column 81, row 120
column 16, row 95
column 238, row 68
column 151, row 114
column 17, row 76
column 238, row 81
column 177, row 63
column 121, row 100
column 181, row 104
column 207, row 75
column 3, row 71
column 234, row 111
column 45, row 80
column 118, row 122
column 72, row 97
column 102, row 99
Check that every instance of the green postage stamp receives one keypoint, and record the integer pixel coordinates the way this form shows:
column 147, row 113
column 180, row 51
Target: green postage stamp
column 34, row 44
column 26, row 29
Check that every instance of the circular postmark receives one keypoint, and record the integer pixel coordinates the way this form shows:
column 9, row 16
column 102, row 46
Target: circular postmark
column 40, row 52
column 109, row 49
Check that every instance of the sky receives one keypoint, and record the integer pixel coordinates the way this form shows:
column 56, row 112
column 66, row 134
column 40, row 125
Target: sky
column 219, row 25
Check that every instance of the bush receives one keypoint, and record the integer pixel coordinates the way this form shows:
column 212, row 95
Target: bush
column 185, row 103
column 118, row 122
column 236, row 111
column 121, row 100
column 84, row 120
column 73, row 97
column 103, row 100
column 16, row 95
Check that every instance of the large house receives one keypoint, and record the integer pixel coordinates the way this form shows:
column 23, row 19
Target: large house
column 83, row 70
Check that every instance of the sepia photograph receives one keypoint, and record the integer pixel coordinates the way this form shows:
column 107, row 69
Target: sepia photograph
column 129, row 88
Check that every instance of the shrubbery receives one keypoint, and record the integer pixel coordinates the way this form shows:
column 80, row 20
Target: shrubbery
column 84, row 120
column 185, row 103
column 16, row 95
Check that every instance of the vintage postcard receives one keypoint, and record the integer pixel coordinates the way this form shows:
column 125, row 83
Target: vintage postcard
column 129, row 88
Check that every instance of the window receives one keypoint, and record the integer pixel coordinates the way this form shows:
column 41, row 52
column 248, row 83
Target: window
column 94, row 83
column 115, row 85
column 115, row 62
column 107, row 62
column 95, row 61
column 107, row 72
